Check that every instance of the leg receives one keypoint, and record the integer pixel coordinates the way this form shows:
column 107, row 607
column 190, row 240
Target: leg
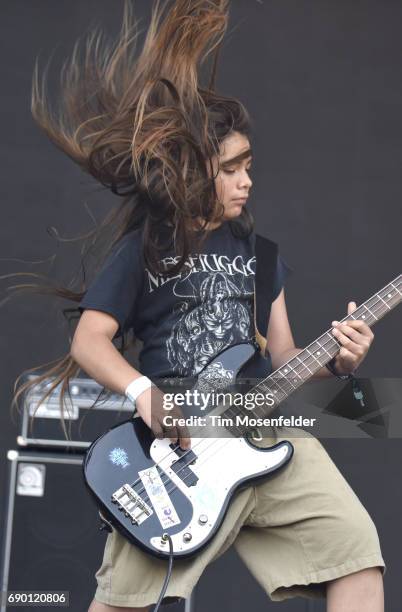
column 97, row 606
column 130, row 579
column 309, row 530
column 359, row 592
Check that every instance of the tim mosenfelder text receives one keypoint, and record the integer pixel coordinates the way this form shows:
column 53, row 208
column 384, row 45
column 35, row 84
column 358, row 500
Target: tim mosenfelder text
column 239, row 420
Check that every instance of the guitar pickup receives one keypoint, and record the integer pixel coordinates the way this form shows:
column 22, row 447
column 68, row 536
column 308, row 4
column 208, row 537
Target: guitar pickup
column 132, row 504
column 191, row 457
column 181, row 465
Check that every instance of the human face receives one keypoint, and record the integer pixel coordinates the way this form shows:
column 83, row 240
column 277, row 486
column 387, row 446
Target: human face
column 232, row 181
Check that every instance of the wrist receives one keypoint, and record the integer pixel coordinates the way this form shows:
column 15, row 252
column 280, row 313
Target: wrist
column 137, row 387
column 331, row 366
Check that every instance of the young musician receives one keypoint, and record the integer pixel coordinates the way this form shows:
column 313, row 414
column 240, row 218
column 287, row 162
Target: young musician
column 180, row 276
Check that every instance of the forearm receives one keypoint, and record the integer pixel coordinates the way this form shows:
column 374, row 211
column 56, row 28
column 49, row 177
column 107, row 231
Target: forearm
column 101, row 360
column 279, row 360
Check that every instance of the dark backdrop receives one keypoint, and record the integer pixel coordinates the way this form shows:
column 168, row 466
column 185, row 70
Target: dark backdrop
column 321, row 80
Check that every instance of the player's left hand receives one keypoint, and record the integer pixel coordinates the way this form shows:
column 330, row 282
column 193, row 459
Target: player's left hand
column 355, row 336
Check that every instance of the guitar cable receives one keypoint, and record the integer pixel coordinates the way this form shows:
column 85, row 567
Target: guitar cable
column 165, row 537
column 109, row 527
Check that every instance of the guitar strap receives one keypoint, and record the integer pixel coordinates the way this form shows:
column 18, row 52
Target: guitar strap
column 266, row 253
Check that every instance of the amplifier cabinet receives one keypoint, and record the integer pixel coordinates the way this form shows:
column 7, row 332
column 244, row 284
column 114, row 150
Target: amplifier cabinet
column 51, row 538
column 88, row 410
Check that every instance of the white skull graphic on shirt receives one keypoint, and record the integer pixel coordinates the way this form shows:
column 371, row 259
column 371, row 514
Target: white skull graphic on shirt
column 214, row 315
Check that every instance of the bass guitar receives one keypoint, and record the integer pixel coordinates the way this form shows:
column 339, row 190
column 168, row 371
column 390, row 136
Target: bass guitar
column 146, row 487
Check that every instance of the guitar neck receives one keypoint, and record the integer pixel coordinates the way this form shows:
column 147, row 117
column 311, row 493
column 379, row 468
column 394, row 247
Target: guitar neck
column 299, row 369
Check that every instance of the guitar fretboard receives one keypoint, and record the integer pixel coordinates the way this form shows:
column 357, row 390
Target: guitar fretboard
column 300, row 368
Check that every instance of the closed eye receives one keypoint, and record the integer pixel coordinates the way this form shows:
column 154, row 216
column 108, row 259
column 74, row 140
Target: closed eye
column 230, row 171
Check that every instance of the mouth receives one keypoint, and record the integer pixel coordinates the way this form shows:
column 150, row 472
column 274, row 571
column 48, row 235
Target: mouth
column 239, row 200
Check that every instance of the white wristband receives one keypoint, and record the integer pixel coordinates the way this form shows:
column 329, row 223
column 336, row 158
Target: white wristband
column 137, row 386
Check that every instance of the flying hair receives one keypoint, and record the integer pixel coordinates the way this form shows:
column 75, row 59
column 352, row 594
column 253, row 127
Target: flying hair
column 145, row 127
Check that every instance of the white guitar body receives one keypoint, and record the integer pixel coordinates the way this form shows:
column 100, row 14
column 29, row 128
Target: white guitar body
column 223, row 465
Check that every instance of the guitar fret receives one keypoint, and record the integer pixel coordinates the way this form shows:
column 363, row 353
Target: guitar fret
column 372, row 301
column 387, row 294
column 389, row 307
column 311, row 355
column 284, row 371
column 314, row 347
column 393, row 298
column 370, row 313
column 294, row 370
column 377, row 306
column 297, row 368
column 278, row 388
column 381, row 310
column 286, row 379
column 264, row 387
column 267, row 390
column 285, row 385
column 328, row 353
column 303, row 363
column 319, row 353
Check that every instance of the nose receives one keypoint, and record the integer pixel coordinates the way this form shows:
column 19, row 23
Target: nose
column 244, row 180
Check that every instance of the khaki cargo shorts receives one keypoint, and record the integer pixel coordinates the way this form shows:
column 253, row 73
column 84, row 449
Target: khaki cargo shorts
column 294, row 531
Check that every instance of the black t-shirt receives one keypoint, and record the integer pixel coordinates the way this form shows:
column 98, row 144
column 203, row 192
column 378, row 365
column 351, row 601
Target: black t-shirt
column 185, row 320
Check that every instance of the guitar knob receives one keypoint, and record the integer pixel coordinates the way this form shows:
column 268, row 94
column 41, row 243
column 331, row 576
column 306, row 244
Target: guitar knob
column 187, row 537
column 203, row 519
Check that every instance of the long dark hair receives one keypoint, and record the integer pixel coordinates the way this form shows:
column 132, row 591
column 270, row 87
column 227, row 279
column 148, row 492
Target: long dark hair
column 145, row 128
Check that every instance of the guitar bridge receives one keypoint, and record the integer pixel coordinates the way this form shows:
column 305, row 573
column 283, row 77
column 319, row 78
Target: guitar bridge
column 132, row 504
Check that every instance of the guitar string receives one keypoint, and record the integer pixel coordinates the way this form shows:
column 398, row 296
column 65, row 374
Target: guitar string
column 146, row 498
column 301, row 361
column 310, row 360
column 192, row 449
column 381, row 307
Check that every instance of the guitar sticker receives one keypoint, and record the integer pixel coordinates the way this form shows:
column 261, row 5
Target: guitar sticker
column 159, row 497
column 118, row 456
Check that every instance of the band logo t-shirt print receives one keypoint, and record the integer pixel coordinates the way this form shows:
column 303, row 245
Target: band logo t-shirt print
column 186, row 319
column 211, row 305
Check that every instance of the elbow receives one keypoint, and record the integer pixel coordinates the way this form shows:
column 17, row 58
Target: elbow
column 75, row 348
column 278, row 359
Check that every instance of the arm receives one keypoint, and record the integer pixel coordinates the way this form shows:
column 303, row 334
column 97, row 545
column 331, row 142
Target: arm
column 355, row 337
column 92, row 348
